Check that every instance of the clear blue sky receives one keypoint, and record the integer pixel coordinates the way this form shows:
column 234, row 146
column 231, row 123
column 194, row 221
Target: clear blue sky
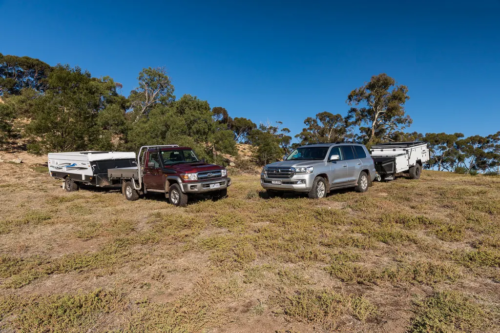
column 281, row 60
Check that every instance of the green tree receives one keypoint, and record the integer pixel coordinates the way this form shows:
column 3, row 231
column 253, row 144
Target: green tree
column 443, row 151
column 66, row 116
column 383, row 111
column 241, row 127
column 154, row 89
column 6, row 118
column 187, row 121
column 271, row 143
column 18, row 73
column 325, row 128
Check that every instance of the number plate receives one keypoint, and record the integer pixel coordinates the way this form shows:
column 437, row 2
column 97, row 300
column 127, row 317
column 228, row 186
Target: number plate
column 216, row 185
column 276, row 182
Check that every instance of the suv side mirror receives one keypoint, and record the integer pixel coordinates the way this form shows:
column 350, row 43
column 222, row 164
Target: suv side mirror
column 334, row 158
column 151, row 165
column 284, row 157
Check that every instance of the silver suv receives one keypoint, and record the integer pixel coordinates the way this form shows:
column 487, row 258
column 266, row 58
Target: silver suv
column 319, row 168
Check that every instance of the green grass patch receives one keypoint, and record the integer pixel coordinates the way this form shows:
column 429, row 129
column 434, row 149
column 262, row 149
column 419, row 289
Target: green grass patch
column 449, row 312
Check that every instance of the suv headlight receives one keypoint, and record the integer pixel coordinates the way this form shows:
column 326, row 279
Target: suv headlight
column 190, row 176
column 224, row 173
column 303, row 170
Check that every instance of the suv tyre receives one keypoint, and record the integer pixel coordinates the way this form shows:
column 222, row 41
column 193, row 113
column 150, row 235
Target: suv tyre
column 319, row 188
column 176, row 197
column 363, row 182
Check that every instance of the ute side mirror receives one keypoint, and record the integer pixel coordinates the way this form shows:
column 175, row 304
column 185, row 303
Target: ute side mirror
column 284, row 157
column 334, row 158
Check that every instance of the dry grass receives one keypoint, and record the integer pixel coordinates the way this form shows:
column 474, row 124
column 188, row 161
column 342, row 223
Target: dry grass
column 419, row 256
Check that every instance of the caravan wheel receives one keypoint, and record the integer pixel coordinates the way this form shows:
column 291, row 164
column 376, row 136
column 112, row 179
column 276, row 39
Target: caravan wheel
column 70, row 185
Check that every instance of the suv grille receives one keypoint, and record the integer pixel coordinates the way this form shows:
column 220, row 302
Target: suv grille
column 209, row 174
column 276, row 172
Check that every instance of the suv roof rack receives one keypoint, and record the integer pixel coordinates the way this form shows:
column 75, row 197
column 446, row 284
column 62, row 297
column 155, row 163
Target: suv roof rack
column 158, row 146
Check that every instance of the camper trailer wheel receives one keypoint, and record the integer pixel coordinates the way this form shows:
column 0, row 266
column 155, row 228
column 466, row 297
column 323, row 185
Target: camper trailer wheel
column 70, row 185
column 415, row 171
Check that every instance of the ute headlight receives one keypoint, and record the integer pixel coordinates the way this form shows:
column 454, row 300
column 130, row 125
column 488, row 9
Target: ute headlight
column 303, row 170
column 224, row 173
column 190, row 176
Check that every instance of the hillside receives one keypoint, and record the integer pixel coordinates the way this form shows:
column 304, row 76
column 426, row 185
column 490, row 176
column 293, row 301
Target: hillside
column 405, row 256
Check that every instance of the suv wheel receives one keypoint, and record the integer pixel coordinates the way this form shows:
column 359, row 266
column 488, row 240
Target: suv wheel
column 70, row 185
column 130, row 192
column 415, row 171
column 319, row 188
column 176, row 197
column 363, row 182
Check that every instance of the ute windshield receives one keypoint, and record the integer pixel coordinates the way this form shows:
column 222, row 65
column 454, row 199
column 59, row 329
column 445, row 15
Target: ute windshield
column 171, row 157
column 308, row 153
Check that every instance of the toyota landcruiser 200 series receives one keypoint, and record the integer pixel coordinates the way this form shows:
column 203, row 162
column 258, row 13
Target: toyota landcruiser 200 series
column 319, row 168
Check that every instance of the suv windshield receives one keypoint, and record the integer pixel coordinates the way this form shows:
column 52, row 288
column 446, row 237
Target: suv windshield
column 308, row 153
column 170, row 157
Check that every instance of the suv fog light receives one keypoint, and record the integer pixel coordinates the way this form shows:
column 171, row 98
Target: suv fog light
column 302, row 181
column 193, row 188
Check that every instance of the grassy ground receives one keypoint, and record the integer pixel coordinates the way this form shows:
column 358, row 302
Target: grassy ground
column 407, row 256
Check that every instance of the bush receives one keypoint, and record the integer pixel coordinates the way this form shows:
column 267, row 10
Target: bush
column 461, row 170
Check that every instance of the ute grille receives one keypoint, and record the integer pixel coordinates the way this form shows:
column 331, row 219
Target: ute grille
column 276, row 172
column 209, row 174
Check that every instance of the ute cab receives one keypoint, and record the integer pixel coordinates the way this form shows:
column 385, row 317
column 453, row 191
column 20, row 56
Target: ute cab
column 173, row 170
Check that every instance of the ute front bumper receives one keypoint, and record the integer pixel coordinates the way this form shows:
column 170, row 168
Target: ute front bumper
column 297, row 183
column 206, row 186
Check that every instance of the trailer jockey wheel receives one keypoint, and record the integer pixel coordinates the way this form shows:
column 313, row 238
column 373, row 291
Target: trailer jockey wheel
column 70, row 185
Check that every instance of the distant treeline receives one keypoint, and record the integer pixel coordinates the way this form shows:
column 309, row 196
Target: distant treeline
column 68, row 109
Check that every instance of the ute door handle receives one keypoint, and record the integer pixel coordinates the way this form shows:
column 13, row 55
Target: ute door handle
column 359, row 163
column 345, row 166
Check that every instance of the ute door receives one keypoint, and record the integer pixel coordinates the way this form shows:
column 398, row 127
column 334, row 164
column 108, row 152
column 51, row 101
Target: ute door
column 353, row 163
column 338, row 169
column 153, row 175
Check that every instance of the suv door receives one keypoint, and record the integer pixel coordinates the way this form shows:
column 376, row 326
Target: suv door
column 153, row 175
column 338, row 169
column 353, row 163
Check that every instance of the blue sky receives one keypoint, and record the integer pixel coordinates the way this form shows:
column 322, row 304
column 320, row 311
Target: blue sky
column 281, row 60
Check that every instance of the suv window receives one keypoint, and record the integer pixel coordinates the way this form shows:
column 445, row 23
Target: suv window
column 335, row 151
column 360, row 151
column 348, row 152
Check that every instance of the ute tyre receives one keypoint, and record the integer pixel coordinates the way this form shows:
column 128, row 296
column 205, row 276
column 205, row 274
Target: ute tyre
column 176, row 197
column 363, row 182
column 220, row 194
column 319, row 188
column 415, row 171
column 70, row 185
column 130, row 192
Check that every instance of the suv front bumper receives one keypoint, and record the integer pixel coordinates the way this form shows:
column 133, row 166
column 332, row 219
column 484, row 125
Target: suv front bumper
column 297, row 183
column 204, row 187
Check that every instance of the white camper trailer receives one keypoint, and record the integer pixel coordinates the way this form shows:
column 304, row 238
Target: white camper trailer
column 87, row 167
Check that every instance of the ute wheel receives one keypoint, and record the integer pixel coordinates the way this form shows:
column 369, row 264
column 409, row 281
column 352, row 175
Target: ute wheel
column 70, row 185
column 176, row 197
column 415, row 171
column 319, row 188
column 130, row 192
column 220, row 194
column 363, row 182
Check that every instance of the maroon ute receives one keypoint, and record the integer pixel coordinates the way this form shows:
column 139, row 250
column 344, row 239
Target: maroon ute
column 173, row 170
